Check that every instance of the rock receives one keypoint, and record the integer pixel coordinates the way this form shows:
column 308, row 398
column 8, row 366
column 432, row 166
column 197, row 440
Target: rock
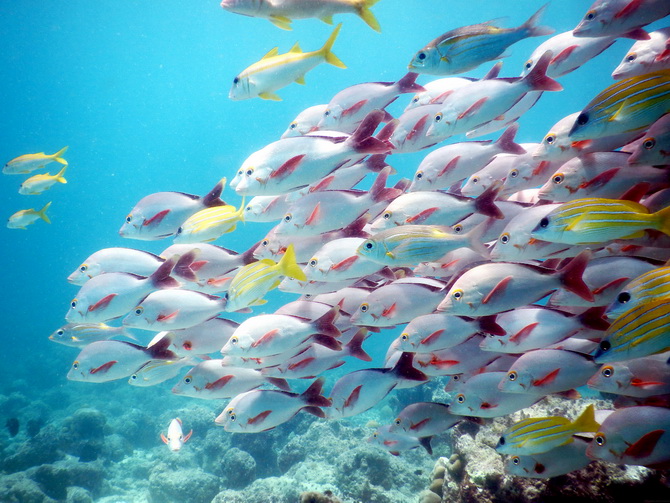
column 18, row 488
column 36, row 451
column 315, row 497
column 239, row 468
column 78, row 495
column 187, row 484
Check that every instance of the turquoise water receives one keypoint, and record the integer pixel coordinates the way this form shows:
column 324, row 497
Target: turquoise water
column 139, row 92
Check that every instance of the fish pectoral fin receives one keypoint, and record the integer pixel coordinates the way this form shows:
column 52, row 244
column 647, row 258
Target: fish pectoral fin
column 300, row 80
column 259, row 418
column 164, row 439
column 619, row 115
column 281, row 22
column 574, row 225
column 259, row 302
column 645, row 445
column 497, row 290
column 267, row 95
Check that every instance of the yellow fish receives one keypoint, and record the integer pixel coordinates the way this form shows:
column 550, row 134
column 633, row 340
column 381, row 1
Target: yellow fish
column 275, row 70
column 209, row 224
column 22, row 218
column 39, row 183
column 254, row 280
column 30, row 162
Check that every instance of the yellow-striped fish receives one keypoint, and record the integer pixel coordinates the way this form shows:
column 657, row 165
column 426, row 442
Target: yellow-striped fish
column 275, row 70
column 23, row 218
column 30, row 162
column 641, row 331
column 597, row 220
column 649, row 286
column 209, row 224
column 410, row 245
column 629, row 105
column 254, row 280
column 37, row 184
column 78, row 335
column 541, row 434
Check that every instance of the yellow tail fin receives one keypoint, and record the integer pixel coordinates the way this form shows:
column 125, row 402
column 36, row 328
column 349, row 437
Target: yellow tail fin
column 58, row 156
column 59, row 176
column 240, row 212
column 326, row 50
column 366, row 14
column 586, row 422
column 43, row 213
column 289, row 267
column 663, row 219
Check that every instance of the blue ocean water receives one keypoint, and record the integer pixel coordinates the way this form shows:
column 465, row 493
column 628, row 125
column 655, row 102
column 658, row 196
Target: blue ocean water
column 139, row 92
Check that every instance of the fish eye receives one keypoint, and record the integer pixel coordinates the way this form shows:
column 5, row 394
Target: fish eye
column 187, row 345
column 630, row 57
column 415, row 100
column 248, row 208
column 558, row 178
column 582, row 119
column 234, row 340
column 249, row 172
column 516, row 460
column 528, row 64
column 369, row 245
column 514, row 173
column 232, row 416
column 649, row 143
column 421, row 55
column 457, row 228
column 129, row 218
column 501, row 441
column 550, row 138
column 83, row 268
column 504, row 238
column 313, row 262
column 180, row 230
column 308, row 296
column 288, row 217
column 187, row 380
column 236, row 80
column 326, row 113
column 456, row 378
column 607, row 371
column 240, row 172
column 75, row 365
column 375, row 434
column 605, row 346
column 364, row 307
column 73, row 304
column 404, row 336
column 590, row 15
column 475, row 179
column 397, row 421
column 293, row 125
column 512, row 376
column 600, row 439
column 438, row 117
column 265, row 242
column 134, row 377
column 60, row 331
column 623, row 297
column 387, row 215
column 419, row 175
column 460, row 398
column 457, row 294
column 139, row 310
column 544, row 223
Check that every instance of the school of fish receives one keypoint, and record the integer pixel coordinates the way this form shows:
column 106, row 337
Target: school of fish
column 508, row 271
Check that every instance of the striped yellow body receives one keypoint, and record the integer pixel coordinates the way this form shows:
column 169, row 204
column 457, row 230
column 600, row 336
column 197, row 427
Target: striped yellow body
column 641, row 331
column 209, row 224
column 649, row 286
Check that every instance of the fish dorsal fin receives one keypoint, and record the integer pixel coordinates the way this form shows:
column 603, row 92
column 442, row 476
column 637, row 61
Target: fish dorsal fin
column 273, row 52
column 296, row 48
column 300, row 80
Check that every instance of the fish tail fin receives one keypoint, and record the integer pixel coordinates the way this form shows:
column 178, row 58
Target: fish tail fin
column 537, row 78
column 58, row 156
column 289, row 267
column 213, row 197
column 161, row 277
column 476, row 238
column 59, row 176
column 663, row 219
column 378, row 191
column 183, row 267
column 570, row 276
column 313, row 395
column 366, row 14
column 408, row 84
column 361, row 139
column 355, row 346
column 240, row 211
column 586, row 422
column 43, row 212
column 531, row 26
column 326, row 324
column 404, row 369
column 327, row 49
column 506, row 141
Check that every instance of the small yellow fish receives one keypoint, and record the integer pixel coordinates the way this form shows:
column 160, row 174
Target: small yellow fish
column 254, row 280
column 37, row 184
column 209, row 224
column 23, row 218
column 275, row 70
column 30, row 162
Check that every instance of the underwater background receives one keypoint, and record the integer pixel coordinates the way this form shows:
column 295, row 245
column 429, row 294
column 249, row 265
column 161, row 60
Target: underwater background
column 138, row 90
